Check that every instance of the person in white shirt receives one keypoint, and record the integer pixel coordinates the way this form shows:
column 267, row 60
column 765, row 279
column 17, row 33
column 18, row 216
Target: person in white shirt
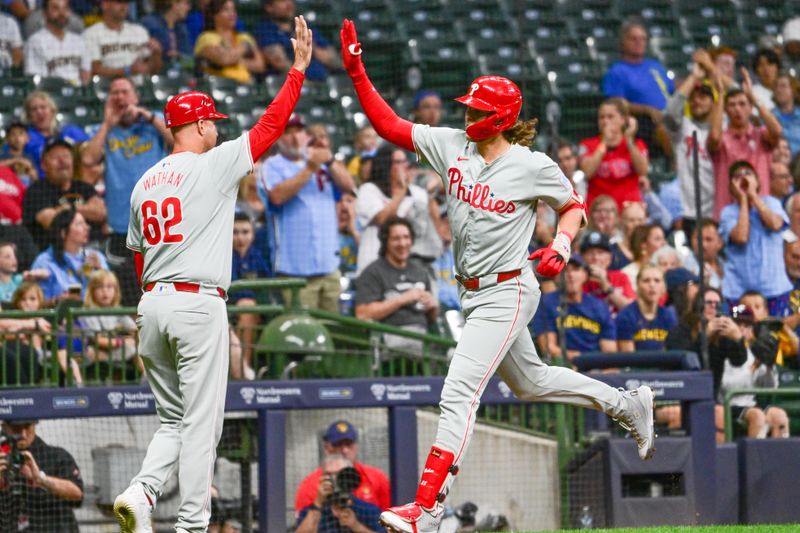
column 767, row 66
column 120, row 48
column 10, row 42
column 55, row 52
column 700, row 94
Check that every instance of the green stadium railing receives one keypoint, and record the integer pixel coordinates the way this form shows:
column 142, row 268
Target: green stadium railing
column 792, row 408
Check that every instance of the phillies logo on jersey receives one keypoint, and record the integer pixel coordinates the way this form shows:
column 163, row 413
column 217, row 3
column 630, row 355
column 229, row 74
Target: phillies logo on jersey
column 479, row 195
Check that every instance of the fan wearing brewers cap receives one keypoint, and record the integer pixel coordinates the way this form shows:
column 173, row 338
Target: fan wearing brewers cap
column 341, row 437
column 612, row 286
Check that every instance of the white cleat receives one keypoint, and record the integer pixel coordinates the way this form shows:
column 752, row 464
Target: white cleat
column 411, row 518
column 638, row 419
column 133, row 510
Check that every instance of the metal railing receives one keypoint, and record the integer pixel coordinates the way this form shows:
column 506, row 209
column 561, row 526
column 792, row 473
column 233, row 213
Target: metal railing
column 788, row 392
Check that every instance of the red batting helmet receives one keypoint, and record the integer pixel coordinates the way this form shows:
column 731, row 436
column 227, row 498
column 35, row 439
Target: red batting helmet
column 190, row 107
column 497, row 94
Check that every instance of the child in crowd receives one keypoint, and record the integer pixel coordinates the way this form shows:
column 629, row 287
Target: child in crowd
column 10, row 279
column 349, row 236
column 12, row 154
column 248, row 263
column 29, row 297
column 108, row 338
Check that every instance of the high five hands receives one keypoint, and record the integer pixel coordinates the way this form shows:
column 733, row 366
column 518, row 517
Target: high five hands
column 351, row 48
column 302, row 44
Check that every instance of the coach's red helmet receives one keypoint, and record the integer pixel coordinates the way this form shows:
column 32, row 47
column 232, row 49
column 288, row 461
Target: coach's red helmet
column 497, row 94
column 190, row 107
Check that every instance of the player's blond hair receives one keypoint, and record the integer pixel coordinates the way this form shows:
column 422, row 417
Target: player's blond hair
column 523, row 132
column 97, row 278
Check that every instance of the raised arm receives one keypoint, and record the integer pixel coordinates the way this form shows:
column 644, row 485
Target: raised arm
column 382, row 117
column 272, row 123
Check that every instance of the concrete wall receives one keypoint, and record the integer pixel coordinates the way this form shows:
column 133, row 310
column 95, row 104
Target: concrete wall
column 504, row 472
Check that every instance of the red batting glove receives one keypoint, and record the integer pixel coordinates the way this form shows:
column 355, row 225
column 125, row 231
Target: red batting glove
column 554, row 257
column 351, row 49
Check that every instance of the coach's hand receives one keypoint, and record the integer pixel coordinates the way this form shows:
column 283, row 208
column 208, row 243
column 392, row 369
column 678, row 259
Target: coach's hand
column 553, row 258
column 302, row 44
column 351, row 49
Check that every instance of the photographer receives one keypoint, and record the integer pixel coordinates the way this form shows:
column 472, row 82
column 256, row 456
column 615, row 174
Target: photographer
column 341, row 438
column 335, row 508
column 40, row 485
column 758, row 370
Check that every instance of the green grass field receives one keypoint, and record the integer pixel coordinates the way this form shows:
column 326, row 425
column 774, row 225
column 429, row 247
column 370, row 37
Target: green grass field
column 784, row 528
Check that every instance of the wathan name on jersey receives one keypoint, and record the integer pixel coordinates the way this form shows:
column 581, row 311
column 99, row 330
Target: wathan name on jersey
column 479, row 195
column 162, row 177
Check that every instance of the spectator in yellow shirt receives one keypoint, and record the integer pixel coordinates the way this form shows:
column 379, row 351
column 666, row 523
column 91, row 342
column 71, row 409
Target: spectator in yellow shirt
column 223, row 51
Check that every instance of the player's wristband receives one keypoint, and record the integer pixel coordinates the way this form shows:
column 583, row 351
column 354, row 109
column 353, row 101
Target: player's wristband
column 562, row 244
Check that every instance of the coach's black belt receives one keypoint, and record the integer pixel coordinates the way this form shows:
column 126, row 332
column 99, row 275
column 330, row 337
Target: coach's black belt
column 182, row 286
column 473, row 284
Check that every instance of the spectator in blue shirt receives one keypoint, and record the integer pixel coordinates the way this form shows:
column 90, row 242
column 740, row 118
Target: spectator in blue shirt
column 751, row 228
column 132, row 139
column 644, row 324
column 786, row 111
column 299, row 183
column 68, row 261
column 586, row 323
column 167, row 25
column 274, row 37
column 40, row 114
column 642, row 81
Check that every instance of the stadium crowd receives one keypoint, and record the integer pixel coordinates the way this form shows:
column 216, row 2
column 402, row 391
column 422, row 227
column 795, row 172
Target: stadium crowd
column 371, row 228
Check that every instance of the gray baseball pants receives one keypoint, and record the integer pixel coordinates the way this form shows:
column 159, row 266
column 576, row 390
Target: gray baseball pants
column 183, row 340
column 496, row 339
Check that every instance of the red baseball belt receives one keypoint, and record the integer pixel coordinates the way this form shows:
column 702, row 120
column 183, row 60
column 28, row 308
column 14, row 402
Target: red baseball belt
column 182, row 286
column 473, row 284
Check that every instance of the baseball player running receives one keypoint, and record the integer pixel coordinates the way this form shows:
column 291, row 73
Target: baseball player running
column 493, row 182
column 180, row 231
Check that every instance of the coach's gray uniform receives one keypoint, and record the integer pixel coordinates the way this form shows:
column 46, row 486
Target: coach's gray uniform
column 182, row 222
column 492, row 214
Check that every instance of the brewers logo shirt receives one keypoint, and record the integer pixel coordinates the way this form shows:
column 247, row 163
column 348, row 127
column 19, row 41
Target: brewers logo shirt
column 49, row 56
column 117, row 49
column 585, row 323
column 645, row 334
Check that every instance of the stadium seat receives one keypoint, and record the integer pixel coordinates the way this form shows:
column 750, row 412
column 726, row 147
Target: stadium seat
column 546, row 37
column 168, row 85
column 82, row 115
column 13, row 92
column 530, row 12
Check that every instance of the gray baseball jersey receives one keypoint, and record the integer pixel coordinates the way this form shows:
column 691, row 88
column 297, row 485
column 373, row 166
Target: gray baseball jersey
column 491, row 208
column 182, row 214
column 492, row 214
column 182, row 222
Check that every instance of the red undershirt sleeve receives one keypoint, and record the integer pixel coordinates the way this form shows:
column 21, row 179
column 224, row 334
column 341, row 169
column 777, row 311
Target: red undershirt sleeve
column 382, row 117
column 272, row 123
column 139, row 261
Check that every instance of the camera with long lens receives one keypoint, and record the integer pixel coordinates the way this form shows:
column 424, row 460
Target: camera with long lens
column 8, row 447
column 344, row 483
